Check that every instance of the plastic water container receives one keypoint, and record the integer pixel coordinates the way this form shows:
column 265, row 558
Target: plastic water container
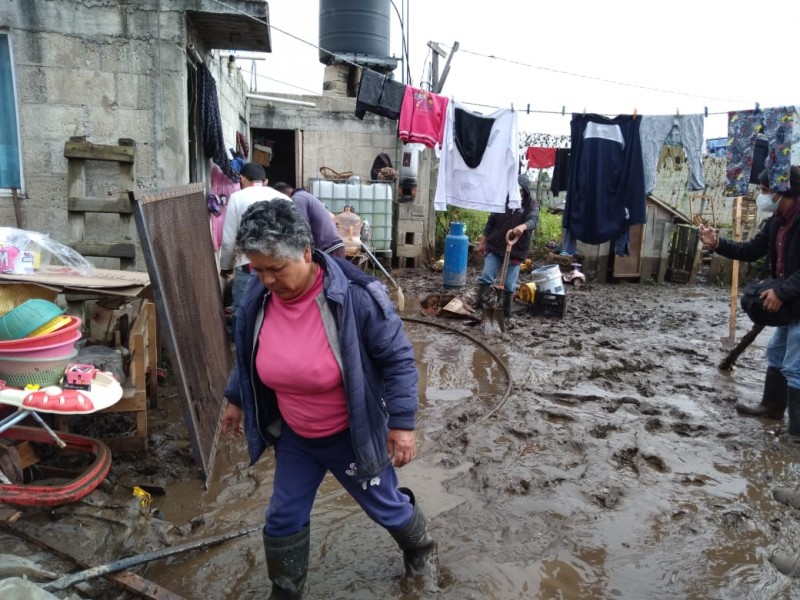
column 548, row 280
column 456, row 244
column 348, row 224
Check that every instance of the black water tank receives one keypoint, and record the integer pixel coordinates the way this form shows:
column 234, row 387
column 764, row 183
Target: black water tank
column 354, row 27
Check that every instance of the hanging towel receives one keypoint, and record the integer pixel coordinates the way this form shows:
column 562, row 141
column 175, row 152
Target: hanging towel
column 211, row 123
column 490, row 144
column 422, row 117
column 780, row 127
column 654, row 131
column 606, row 184
column 540, row 158
column 379, row 95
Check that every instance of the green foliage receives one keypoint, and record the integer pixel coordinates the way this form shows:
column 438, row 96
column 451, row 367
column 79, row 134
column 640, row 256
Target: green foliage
column 548, row 230
column 475, row 220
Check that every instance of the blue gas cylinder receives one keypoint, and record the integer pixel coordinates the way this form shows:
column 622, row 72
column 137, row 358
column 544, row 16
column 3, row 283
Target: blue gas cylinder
column 456, row 244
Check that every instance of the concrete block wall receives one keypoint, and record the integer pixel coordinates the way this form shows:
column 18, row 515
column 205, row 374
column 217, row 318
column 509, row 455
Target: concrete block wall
column 105, row 71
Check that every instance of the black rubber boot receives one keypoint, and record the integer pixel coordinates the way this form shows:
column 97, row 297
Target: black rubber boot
column 508, row 298
column 774, row 400
column 287, row 564
column 794, row 414
column 484, row 290
column 419, row 548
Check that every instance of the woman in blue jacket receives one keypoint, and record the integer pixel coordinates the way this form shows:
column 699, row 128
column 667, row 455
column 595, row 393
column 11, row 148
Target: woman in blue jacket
column 326, row 375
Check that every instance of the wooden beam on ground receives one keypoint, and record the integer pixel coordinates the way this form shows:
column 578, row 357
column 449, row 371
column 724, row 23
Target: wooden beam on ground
column 130, row 581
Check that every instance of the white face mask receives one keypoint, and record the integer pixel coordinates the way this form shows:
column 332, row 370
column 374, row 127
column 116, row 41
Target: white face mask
column 765, row 203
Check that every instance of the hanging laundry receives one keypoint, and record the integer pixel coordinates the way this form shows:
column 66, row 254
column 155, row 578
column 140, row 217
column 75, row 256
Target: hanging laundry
column 606, row 184
column 222, row 187
column 540, row 158
column 654, row 131
column 242, row 147
column 479, row 160
column 780, row 127
column 560, row 182
column 211, row 123
column 379, row 95
column 422, row 117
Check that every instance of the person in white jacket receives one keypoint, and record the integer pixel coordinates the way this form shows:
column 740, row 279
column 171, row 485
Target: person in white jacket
column 254, row 189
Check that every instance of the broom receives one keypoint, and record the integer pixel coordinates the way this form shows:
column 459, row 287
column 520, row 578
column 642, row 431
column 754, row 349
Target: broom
column 401, row 300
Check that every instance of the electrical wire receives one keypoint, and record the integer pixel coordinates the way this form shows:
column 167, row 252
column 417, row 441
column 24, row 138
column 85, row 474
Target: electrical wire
column 594, row 78
column 489, row 56
column 404, row 43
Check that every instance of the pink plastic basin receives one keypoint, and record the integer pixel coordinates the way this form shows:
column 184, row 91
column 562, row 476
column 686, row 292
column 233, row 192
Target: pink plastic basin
column 47, row 351
column 63, row 334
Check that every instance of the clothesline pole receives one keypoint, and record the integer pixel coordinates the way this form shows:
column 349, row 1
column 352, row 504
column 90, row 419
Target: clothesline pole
column 737, row 214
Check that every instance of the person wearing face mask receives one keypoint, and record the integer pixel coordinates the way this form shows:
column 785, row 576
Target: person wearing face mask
column 779, row 242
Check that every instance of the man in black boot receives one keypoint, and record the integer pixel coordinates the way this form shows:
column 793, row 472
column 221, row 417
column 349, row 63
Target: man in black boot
column 492, row 245
column 774, row 399
column 484, row 291
column 287, row 564
column 778, row 242
column 419, row 548
column 794, row 414
column 508, row 298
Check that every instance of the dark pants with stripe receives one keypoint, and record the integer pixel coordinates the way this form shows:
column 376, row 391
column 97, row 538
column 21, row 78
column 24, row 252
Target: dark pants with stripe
column 301, row 464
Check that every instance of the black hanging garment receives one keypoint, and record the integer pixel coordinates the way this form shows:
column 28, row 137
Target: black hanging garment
column 380, row 95
column 560, row 181
column 606, row 182
column 211, row 123
column 760, row 153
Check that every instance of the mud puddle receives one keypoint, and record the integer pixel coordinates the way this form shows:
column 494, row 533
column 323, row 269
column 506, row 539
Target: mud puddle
column 615, row 467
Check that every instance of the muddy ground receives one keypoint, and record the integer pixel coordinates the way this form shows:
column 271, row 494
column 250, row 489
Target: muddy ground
column 615, row 466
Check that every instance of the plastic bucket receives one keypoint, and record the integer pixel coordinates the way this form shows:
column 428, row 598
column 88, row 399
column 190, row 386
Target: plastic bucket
column 548, row 280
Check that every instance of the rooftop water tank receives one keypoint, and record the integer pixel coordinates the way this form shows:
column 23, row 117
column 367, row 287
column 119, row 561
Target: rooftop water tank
column 356, row 29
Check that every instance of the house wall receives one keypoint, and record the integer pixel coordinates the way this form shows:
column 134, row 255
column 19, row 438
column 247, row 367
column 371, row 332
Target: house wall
column 105, row 71
column 333, row 137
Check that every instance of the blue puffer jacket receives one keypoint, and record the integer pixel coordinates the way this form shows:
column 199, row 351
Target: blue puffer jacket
column 380, row 374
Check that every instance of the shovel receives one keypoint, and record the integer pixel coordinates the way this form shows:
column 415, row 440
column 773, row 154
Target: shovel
column 401, row 299
column 493, row 320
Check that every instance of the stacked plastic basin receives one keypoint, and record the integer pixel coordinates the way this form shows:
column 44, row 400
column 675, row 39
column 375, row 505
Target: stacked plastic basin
column 37, row 342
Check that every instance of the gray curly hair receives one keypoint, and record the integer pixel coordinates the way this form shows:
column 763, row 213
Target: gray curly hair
column 274, row 228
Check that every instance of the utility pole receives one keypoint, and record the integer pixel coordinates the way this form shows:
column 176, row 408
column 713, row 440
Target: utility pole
column 438, row 81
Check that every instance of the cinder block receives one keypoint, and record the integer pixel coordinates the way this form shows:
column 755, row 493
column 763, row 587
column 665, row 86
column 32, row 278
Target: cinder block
column 79, row 86
column 54, row 123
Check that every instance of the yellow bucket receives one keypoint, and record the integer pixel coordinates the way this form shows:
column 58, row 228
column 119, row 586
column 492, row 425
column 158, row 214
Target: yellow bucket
column 527, row 292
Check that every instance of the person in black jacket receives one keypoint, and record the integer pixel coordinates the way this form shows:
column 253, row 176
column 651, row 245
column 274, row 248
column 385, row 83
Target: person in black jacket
column 492, row 246
column 779, row 242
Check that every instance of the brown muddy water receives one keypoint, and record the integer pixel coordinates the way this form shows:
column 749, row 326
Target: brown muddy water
column 615, row 466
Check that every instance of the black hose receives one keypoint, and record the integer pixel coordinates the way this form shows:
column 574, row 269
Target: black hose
column 475, row 340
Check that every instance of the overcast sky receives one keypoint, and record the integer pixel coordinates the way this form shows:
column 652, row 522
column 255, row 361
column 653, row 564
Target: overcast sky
column 665, row 57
